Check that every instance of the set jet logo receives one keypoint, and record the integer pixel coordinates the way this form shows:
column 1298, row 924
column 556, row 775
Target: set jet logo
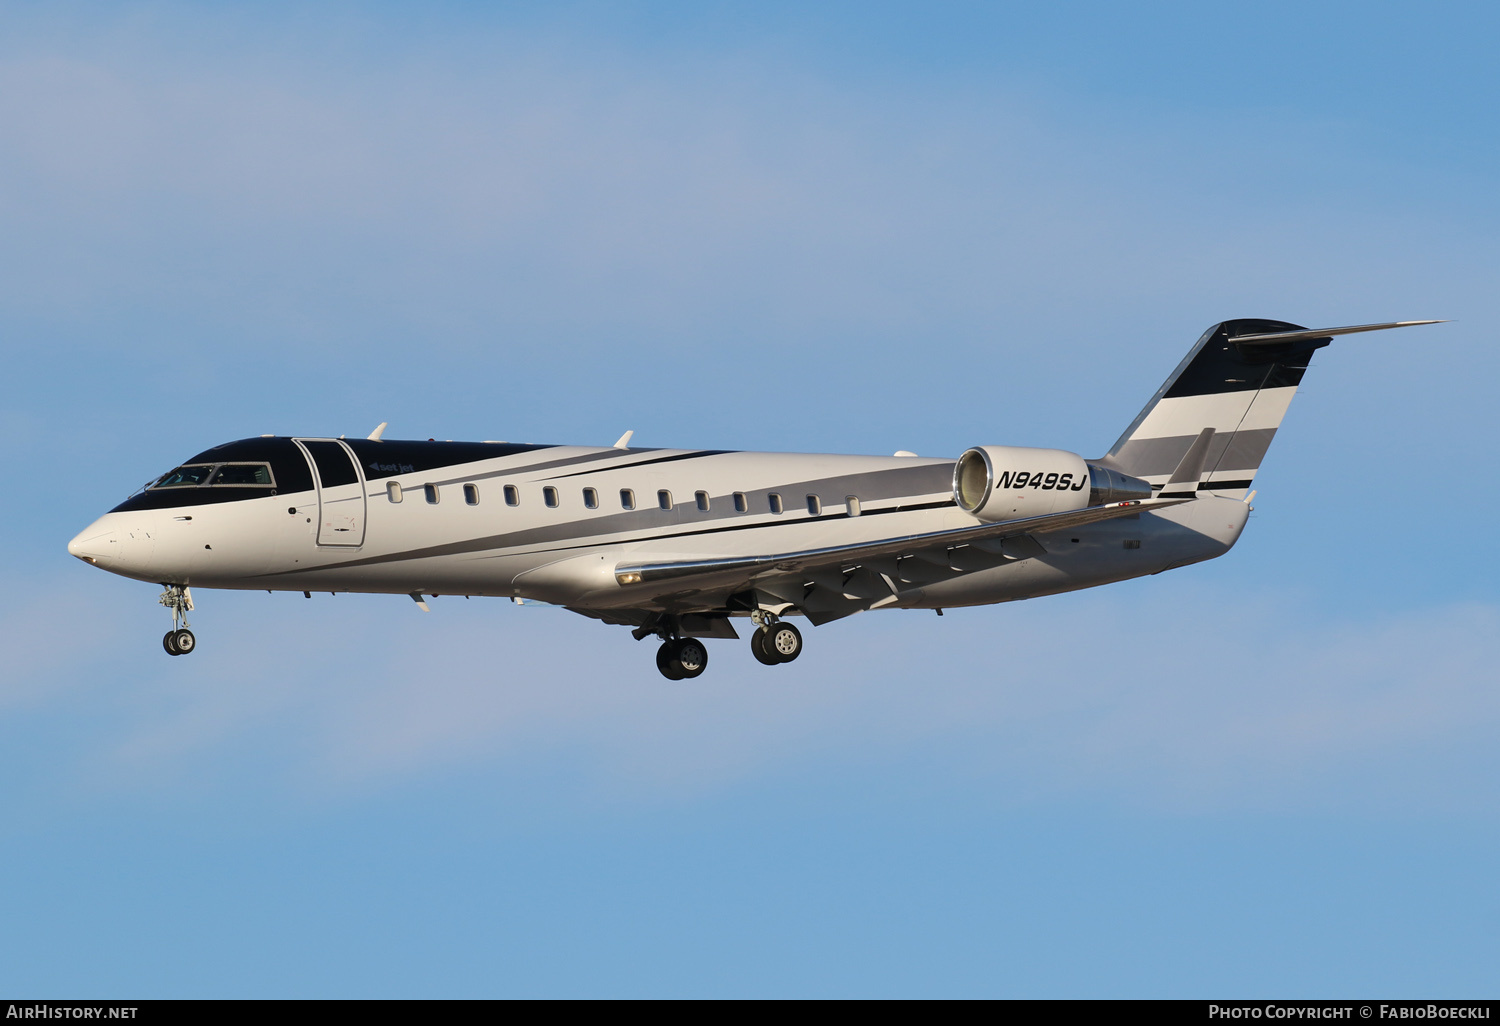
column 1036, row 479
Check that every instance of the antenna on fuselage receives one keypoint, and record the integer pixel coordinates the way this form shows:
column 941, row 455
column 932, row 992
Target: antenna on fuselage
column 624, row 442
column 374, row 436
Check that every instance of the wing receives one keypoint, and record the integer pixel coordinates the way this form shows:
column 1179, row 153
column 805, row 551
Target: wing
column 750, row 567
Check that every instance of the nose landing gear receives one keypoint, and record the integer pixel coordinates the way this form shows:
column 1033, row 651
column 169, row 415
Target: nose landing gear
column 179, row 640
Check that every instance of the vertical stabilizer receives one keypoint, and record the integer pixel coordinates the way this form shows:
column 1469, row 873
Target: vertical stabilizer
column 1227, row 397
column 1222, row 405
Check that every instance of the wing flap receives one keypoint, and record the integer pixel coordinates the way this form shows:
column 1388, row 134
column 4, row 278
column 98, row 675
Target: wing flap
column 631, row 574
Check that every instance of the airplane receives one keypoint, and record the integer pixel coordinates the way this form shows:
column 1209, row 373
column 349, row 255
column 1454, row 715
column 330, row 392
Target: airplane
column 678, row 544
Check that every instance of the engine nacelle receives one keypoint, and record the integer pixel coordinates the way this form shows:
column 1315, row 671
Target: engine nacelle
column 1106, row 485
column 1007, row 482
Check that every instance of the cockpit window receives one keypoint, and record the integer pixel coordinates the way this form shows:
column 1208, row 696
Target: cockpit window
column 243, row 474
column 236, row 474
column 186, row 477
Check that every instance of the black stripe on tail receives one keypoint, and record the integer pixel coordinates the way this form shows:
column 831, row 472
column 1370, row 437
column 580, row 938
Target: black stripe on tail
column 1219, row 365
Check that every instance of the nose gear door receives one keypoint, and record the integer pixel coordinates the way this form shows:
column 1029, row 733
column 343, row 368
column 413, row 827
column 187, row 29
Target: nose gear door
column 341, row 491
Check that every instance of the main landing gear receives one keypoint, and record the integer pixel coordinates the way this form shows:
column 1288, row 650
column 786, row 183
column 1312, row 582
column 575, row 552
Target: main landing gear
column 682, row 658
column 179, row 640
column 771, row 642
column 774, row 641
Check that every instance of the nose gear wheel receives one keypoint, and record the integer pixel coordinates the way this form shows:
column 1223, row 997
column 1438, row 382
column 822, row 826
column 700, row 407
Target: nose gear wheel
column 179, row 640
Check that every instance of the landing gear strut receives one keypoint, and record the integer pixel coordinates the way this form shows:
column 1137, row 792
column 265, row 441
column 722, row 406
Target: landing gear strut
column 179, row 640
column 774, row 641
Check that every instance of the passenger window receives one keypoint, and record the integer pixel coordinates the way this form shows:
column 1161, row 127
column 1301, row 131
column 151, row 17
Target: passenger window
column 549, row 496
column 471, row 494
column 512, row 495
column 393, row 491
column 741, row 504
column 702, row 498
column 185, row 477
column 590, row 498
column 432, row 493
column 243, row 474
column 775, row 501
column 853, row 501
column 815, row 505
column 664, row 499
column 627, row 498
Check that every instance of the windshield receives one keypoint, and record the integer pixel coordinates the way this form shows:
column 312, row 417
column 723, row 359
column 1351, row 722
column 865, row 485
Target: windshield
column 243, row 474
column 237, row 474
column 185, row 477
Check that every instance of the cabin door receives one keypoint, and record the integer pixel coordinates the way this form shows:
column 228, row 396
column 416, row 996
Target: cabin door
column 341, row 491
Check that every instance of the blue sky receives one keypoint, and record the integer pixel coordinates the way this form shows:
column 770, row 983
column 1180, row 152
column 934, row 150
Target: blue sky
column 864, row 228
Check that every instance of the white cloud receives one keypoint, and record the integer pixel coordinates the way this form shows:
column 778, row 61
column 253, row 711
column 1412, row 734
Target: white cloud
column 52, row 636
column 575, row 188
column 1184, row 697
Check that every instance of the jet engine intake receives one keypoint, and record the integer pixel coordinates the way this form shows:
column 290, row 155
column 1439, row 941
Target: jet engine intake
column 1007, row 482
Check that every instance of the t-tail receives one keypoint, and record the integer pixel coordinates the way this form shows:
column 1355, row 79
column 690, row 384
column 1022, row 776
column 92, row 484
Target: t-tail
column 1208, row 428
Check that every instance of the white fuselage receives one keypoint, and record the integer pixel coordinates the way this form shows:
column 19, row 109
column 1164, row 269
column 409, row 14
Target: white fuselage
column 385, row 534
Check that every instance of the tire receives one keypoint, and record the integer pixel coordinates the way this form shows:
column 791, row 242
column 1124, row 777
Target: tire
column 666, row 663
column 784, row 642
column 168, row 642
column 758, row 647
column 183, row 641
column 689, row 657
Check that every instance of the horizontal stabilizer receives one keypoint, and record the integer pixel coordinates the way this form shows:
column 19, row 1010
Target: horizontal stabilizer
column 842, row 555
column 1306, row 334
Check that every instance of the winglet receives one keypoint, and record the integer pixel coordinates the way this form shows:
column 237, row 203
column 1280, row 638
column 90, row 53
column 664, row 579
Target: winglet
column 624, row 442
column 1183, row 484
column 374, row 436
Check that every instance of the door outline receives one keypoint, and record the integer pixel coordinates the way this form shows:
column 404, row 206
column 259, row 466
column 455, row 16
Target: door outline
column 330, row 504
